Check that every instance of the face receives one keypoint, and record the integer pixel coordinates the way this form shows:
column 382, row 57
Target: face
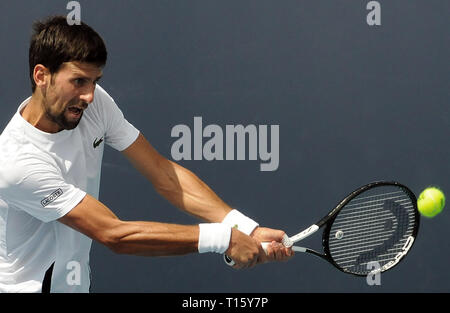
column 69, row 92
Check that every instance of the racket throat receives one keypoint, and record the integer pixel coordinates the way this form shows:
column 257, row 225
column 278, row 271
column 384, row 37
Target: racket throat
column 311, row 251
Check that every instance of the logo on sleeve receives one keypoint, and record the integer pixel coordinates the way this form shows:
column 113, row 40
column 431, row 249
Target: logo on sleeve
column 97, row 142
column 55, row 195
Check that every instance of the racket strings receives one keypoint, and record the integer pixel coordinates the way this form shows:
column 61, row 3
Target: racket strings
column 372, row 227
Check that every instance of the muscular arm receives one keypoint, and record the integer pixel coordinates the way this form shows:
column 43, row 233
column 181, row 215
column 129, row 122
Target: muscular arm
column 98, row 222
column 177, row 184
column 184, row 190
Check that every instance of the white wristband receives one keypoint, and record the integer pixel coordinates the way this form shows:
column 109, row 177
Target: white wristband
column 240, row 221
column 214, row 237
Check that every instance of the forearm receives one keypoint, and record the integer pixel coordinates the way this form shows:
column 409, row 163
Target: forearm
column 97, row 221
column 186, row 191
column 153, row 239
column 178, row 185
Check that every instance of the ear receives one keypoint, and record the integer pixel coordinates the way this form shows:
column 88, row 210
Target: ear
column 41, row 76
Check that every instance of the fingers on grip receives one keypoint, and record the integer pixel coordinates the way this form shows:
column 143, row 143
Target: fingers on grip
column 286, row 241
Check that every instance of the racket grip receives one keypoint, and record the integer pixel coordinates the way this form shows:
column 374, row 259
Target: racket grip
column 264, row 245
column 285, row 241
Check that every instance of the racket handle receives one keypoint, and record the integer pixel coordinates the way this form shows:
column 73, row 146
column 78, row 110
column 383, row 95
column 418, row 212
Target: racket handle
column 264, row 245
column 229, row 261
column 285, row 241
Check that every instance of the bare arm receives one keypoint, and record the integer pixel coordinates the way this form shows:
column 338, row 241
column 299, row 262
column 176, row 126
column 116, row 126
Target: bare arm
column 186, row 191
column 95, row 220
column 98, row 222
column 177, row 184
column 183, row 189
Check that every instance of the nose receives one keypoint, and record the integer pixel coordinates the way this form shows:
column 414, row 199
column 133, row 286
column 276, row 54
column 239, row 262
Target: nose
column 88, row 95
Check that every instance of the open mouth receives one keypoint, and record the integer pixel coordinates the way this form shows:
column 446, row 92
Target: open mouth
column 75, row 111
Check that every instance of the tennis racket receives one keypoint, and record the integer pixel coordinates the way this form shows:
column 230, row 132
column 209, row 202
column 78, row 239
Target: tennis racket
column 377, row 222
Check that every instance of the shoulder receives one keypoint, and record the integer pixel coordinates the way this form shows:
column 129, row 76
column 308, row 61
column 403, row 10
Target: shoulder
column 23, row 162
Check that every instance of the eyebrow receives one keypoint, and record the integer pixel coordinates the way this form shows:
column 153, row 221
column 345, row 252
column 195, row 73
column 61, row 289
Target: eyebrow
column 79, row 75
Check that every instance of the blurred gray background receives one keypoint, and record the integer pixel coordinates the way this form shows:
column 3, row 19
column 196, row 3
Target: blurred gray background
column 355, row 103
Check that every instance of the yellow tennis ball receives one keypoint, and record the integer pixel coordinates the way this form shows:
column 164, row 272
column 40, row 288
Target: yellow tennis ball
column 431, row 202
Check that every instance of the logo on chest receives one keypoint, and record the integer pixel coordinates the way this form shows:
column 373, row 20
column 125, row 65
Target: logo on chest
column 97, row 142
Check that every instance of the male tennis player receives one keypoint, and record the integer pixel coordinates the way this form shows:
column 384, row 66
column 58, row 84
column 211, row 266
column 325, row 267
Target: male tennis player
column 51, row 153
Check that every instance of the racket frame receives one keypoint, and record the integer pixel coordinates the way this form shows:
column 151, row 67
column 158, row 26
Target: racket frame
column 328, row 220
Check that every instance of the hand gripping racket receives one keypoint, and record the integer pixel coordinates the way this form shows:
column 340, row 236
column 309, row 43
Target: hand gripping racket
column 377, row 222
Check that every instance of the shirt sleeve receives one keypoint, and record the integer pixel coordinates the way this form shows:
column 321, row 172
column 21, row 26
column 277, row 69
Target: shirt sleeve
column 119, row 133
column 39, row 189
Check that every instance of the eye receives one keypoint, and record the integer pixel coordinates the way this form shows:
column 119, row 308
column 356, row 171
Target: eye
column 79, row 81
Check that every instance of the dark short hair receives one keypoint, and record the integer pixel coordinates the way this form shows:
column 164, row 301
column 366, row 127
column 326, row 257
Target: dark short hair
column 55, row 42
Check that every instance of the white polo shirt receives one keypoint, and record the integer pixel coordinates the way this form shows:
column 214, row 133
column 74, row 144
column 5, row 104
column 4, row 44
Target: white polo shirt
column 42, row 177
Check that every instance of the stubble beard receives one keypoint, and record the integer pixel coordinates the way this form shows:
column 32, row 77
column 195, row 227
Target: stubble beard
column 60, row 118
